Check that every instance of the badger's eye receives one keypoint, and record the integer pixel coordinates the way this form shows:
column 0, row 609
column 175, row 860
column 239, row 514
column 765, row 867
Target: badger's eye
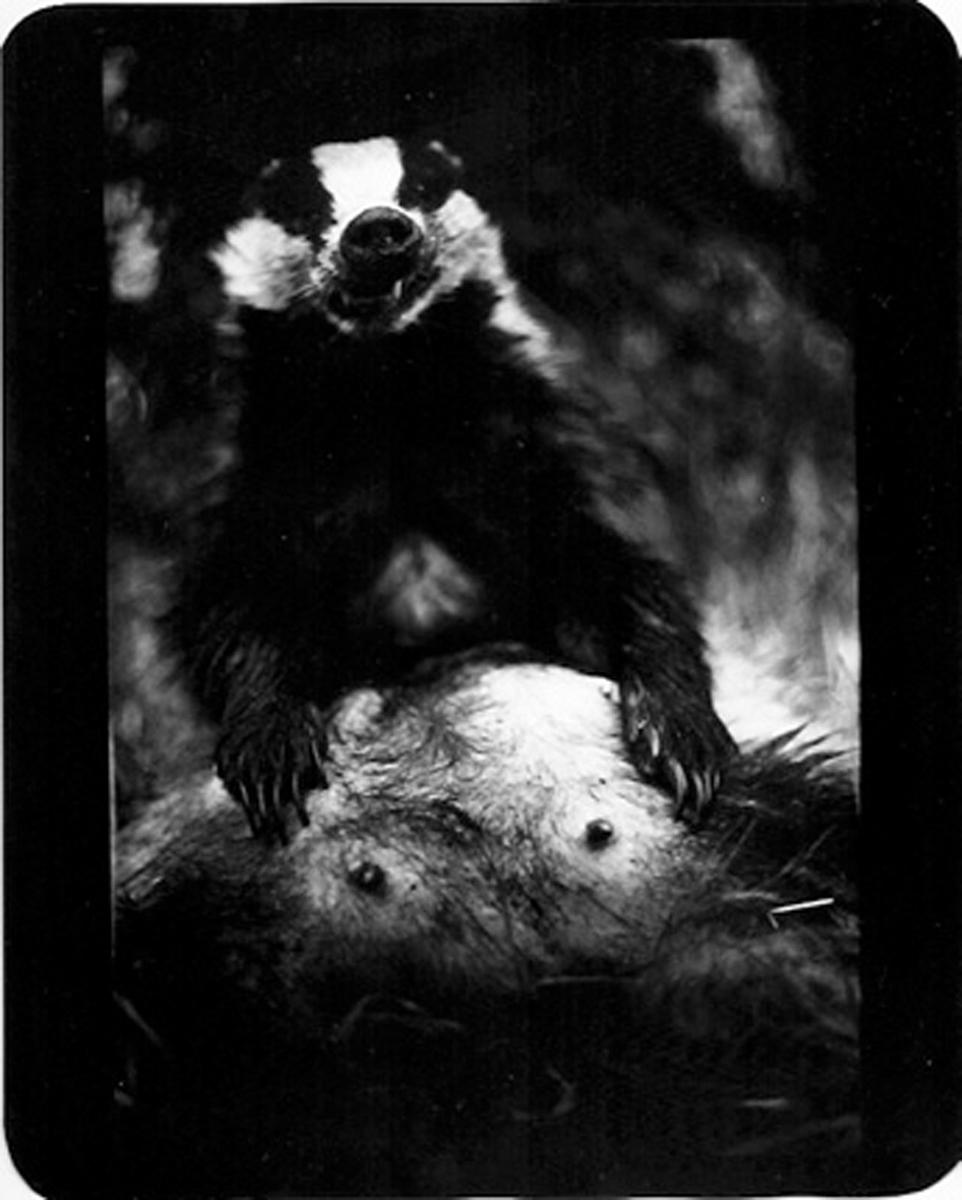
column 431, row 173
column 291, row 193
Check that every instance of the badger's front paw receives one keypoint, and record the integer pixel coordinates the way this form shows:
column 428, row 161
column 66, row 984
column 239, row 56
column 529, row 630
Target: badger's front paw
column 677, row 743
column 270, row 756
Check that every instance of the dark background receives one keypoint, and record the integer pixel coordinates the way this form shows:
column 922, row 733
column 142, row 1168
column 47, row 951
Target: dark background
column 869, row 92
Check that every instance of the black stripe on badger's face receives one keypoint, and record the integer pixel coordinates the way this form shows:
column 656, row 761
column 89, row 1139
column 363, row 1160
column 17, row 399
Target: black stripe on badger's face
column 291, row 194
column 431, row 174
column 364, row 234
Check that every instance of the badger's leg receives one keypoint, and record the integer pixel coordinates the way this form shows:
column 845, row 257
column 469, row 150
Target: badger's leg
column 621, row 613
column 272, row 730
column 670, row 724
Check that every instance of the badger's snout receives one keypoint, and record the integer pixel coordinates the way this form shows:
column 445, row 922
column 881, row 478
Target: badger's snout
column 379, row 248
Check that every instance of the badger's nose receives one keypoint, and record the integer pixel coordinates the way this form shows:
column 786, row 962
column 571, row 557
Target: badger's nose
column 380, row 247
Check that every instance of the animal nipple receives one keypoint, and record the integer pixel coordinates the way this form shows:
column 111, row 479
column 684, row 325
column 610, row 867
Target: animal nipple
column 367, row 876
column 598, row 833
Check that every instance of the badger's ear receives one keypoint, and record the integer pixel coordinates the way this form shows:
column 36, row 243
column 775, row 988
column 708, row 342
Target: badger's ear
column 431, row 174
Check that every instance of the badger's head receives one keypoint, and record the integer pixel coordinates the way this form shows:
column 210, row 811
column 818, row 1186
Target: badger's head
column 367, row 235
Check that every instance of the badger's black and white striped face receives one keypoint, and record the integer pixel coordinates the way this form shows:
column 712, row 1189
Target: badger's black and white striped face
column 366, row 234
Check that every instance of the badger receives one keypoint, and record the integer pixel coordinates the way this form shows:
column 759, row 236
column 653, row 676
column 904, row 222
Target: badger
column 406, row 493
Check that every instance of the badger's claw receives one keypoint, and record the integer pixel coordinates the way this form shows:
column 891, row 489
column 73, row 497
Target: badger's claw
column 270, row 758
column 681, row 748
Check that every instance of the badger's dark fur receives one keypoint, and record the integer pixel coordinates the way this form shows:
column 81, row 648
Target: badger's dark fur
column 404, row 487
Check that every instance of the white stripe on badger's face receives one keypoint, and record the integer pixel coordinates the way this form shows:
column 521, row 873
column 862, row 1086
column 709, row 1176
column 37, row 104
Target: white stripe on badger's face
column 359, row 175
column 262, row 265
